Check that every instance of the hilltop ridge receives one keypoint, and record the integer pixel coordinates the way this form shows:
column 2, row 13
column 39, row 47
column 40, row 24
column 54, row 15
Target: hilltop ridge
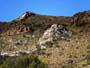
column 40, row 21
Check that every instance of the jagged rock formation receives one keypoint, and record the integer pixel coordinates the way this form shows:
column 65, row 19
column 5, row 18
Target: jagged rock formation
column 52, row 34
column 24, row 16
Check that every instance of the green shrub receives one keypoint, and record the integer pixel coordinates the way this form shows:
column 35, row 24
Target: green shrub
column 28, row 61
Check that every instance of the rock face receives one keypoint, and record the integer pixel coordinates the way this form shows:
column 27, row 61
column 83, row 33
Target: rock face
column 54, row 33
column 18, row 30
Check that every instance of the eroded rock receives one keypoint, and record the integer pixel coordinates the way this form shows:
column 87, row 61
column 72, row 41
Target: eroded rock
column 54, row 33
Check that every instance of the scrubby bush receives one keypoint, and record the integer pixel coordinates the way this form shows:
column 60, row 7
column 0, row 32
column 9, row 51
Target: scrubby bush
column 28, row 61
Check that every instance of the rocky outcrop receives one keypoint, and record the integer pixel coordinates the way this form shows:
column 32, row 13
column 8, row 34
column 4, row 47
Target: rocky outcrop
column 54, row 33
column 81, row 19
column 25, row 16
column 18, row 30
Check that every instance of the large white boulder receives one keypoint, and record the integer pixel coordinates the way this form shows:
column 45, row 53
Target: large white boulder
column 52, row 34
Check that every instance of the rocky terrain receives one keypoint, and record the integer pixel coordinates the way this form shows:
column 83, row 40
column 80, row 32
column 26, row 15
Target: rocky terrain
column 58, row 41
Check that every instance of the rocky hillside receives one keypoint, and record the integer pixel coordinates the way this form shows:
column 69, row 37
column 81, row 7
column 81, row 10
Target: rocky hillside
column 58, row 41
column 34, row 21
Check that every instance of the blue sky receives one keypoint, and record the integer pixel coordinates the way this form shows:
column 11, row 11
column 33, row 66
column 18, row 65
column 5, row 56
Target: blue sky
column 11, row 9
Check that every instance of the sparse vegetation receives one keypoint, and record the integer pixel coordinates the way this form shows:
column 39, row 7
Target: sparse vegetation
column 28, row 61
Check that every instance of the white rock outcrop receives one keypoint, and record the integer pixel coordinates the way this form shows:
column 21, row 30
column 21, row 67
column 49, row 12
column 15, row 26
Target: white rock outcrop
column 54, row 33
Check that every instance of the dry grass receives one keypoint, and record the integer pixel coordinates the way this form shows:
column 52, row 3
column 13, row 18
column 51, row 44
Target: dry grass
column 68, row 54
